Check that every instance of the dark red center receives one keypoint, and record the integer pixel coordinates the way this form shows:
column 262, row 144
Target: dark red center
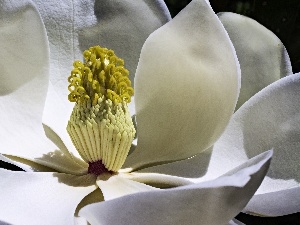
column 97, row 168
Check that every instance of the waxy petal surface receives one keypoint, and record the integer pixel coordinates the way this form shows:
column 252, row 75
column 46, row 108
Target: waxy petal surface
column 41, row 198
column 269, row 120
column 118, row 186
column 215, row 202
column 262, row 56
column 193, row 167
column 186, row 87
column 26, row 165
column 156, row 179
column 24, row 78
column 74, row 26
column 275, row 203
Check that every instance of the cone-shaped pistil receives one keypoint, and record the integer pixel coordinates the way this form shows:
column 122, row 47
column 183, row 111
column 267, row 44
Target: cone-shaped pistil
column 100, row 125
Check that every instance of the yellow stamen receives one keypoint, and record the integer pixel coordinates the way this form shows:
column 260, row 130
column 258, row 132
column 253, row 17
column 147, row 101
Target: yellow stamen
column 103, row 73
column 100, row 125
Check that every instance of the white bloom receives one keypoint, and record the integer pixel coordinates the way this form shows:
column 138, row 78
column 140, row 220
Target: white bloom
column 186, row 87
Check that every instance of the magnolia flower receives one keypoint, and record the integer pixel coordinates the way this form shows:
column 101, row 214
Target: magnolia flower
column 186, row 88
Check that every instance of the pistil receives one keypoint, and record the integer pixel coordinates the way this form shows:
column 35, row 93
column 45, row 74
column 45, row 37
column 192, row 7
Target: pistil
column 100, row 125
column 97, row 168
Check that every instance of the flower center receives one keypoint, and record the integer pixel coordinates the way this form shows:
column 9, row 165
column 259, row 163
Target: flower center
column 97, row 168
column 100, row 125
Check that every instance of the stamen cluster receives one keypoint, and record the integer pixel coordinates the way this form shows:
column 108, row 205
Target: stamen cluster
column 102, row 132
column 100, row 125
column 102, row 73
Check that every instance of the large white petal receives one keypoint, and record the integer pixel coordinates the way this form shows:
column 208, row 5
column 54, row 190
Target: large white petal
column 187, row 84
column 262, row 56
column 41, row 198
column 270, row 119
column 207, row 203
column 74, row 26
column 24, row 64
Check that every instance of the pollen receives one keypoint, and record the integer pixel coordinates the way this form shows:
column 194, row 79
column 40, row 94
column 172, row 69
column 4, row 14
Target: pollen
column 100, row 125
column 102, row 74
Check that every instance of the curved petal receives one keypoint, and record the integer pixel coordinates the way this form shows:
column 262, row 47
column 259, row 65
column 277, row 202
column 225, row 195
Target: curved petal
column 118, row 186
column 25, row 165
column 74, row 26
column 24, row 72
column 270, row 119
column 62, row 162
column 215, row 202
column 195, row 166
column 156, row 179
column 94, row 197
column 262, row 56
column 267, row 204
column 80, row 221
column 54, row 161
column 41, row 198
column 187, row 84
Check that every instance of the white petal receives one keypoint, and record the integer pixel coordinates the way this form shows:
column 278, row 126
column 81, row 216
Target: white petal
column 215, row 202
column 41, row 198
column 156, row 179
column 62, row 162
column 276, row 203
column 262, row 56
column 195, row 166
column 80, row 221
column 187, row 84
column 118, row 186
column 54, row 161
column 25, row 165
column 131, row 107
column 74, row 26
column 270, row 119
column 24, row 80
column 4, row 223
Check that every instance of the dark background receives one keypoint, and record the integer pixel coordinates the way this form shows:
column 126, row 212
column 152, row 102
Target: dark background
column 281, row 17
